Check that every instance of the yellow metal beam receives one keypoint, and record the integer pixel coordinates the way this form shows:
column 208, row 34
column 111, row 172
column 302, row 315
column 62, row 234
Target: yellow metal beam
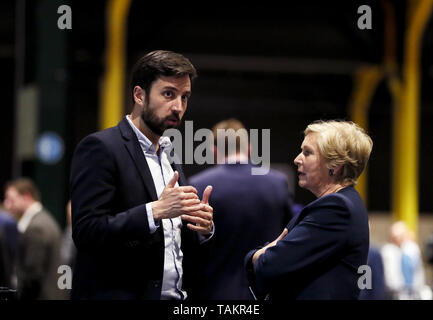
column 366, row 80
column 112, row 95
column 406, row 120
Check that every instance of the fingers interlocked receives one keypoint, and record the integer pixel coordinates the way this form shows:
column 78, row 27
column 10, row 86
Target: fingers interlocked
column 201, row 220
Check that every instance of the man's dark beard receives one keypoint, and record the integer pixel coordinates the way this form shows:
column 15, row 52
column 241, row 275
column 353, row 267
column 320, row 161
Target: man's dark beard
column 157, row 125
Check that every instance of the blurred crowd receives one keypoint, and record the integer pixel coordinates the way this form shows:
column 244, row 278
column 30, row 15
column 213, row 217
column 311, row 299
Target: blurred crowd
column 32, row 245
column 397, row 268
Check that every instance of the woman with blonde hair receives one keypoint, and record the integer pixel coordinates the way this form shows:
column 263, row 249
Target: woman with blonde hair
column 320, row 251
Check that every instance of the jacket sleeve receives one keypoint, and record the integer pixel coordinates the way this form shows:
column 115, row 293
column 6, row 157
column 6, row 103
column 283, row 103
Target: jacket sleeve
column 33, row 266
column 95, row 224
column 315, row 241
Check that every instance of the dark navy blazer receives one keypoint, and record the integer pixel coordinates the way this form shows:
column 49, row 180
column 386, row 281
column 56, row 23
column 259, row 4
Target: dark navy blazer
column 320, row 256
column 117, row 257
column 248, row 211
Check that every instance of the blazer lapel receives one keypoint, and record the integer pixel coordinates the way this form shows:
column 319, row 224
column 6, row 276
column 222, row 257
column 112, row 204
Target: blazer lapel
column 293, row 222
column 300, row 216
column 136, row 153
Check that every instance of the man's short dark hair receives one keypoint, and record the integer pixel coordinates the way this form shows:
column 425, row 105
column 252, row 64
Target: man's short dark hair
column 235, row 125
column 25, row 186
column 160, row 63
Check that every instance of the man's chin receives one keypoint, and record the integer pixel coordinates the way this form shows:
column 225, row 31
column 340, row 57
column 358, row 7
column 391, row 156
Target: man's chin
column 155, row 129
column 159, row 130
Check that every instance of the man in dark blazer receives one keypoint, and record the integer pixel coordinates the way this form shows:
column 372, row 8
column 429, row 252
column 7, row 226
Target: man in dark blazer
column 248, row 211
column 38, row 250
column 129, row 204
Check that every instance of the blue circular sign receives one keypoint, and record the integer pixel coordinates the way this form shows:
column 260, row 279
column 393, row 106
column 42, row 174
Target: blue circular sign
column 49, row 148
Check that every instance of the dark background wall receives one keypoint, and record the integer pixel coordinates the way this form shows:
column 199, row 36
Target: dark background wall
column 271, row 66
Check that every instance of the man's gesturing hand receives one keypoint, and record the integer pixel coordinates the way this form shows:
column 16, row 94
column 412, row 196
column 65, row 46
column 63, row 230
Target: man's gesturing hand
column 201, row 219
column 174, row 202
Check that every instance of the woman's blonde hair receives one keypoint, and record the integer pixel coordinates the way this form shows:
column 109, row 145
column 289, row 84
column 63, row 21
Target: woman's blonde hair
column 343, row 143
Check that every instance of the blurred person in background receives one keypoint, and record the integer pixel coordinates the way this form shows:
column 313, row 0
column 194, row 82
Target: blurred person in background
column 403, row 265
column 5, row 274
column 38, row 250
column 248, row 211
column 318, row 254
column 375, row 262
column 68, row 250
column 392, row 259
column 9, row 231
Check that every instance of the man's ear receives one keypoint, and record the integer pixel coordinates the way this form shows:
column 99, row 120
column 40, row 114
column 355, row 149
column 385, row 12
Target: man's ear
column 28, row 196
column 139, row 95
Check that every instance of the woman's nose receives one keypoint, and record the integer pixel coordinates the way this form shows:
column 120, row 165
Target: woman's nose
column 297, row 160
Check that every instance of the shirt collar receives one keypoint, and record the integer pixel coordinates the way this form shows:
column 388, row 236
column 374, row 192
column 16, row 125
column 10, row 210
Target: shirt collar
column 237, row 158
column 28, row 215
column 145, row 143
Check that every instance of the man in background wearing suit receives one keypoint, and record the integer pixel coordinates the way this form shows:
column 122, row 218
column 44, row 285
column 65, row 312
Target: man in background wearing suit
column 248, row 209
column 9, row 238
column 129, row 203
column 5, row 274
column 38, row 251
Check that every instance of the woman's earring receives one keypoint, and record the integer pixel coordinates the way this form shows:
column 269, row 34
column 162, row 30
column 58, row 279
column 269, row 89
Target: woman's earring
column 331, row 172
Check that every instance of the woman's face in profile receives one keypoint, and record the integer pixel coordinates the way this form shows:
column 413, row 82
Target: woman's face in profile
column 312, row 170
